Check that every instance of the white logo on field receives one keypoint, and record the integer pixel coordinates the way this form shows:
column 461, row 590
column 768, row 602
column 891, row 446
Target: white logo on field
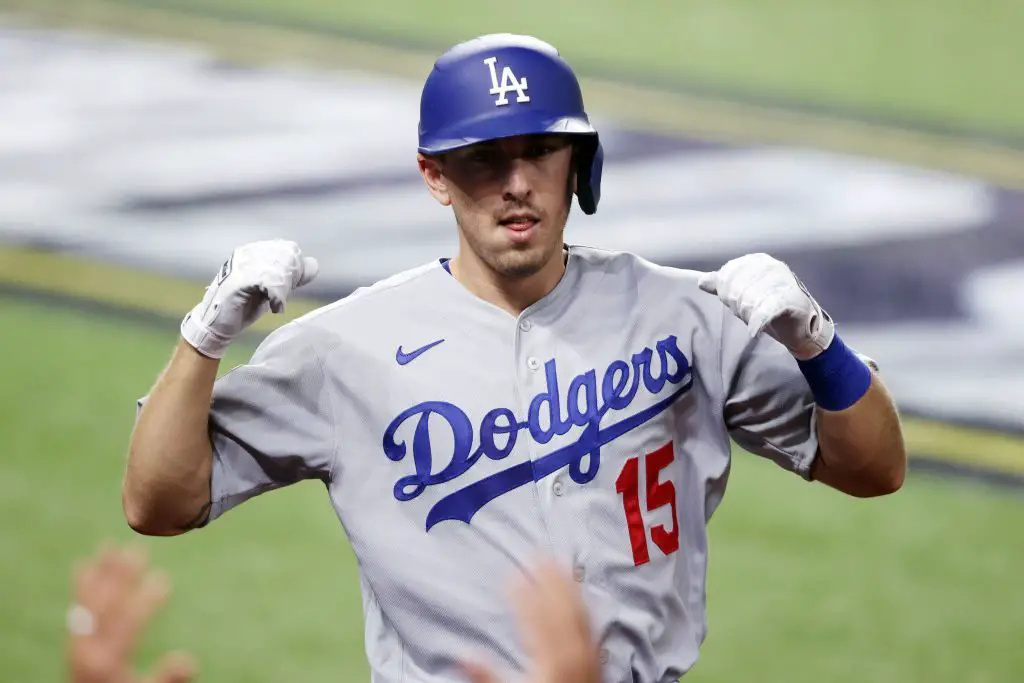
column 509, row 82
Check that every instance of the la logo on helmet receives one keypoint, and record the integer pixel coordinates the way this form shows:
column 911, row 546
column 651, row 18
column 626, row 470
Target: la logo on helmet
column 509, row 82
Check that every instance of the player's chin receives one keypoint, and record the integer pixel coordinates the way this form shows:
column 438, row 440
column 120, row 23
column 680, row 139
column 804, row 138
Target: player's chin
column 523, row 261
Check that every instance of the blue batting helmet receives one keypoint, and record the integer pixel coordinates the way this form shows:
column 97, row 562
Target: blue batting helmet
column 501, row 85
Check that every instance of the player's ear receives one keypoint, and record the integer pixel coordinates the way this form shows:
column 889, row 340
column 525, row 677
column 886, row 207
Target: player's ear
column 430, row 169
column 571, row 185
column 574, row 172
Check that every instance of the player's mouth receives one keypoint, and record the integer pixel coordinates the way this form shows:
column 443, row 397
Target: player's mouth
column 520, row 224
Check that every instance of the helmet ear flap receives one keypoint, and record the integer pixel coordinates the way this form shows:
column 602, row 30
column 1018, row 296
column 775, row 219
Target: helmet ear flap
column 588, row 162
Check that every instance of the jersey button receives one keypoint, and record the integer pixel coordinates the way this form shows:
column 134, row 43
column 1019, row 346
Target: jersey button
column 532, row 363
column 558, row 488
column 578, row 573
column 525, row 325
column 603, row 656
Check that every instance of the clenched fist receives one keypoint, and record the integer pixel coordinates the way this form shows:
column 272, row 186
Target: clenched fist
column 765, row 294
column 258, row 277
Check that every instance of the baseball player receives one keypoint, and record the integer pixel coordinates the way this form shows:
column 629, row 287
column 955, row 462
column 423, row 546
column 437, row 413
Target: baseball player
column 523, row 396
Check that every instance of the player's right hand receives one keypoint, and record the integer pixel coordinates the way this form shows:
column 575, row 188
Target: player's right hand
column 259, row 276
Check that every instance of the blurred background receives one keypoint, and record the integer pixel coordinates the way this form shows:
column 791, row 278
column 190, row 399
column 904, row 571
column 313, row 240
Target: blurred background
column 877, row 146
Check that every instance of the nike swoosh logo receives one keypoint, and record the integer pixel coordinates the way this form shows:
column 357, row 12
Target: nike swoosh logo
column 403, row 358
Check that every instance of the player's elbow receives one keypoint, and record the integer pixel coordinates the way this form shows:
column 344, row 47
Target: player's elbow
column 884, row 482
column 138, row 519
column 144, row 519
column 158, row 500
column 881, row 475
column 891, row 469
column 146, row 516
column 863, row 484
column 141, row 524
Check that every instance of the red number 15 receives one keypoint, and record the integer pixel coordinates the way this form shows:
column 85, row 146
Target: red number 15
column 658, row 494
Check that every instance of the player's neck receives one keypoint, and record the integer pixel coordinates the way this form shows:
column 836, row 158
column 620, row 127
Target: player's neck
column 510, row 294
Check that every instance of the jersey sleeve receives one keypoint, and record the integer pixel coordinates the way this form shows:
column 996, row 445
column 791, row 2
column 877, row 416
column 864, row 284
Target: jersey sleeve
column 271, row 420
column 768, row 406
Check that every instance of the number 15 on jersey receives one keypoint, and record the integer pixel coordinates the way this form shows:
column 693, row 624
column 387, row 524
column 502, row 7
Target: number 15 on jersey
column 659, row 494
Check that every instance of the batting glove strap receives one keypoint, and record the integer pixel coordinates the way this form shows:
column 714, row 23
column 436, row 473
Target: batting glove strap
column 203, row 339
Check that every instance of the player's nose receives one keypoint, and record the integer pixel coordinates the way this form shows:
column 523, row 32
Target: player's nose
column 517, row 180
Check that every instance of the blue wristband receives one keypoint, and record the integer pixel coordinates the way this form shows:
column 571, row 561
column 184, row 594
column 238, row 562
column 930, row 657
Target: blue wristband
column 837, row 377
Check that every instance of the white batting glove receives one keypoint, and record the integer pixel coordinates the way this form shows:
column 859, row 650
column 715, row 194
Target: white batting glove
column 258, row 277
column 765, row 294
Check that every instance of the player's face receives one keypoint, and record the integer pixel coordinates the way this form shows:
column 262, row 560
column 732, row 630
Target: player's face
column 511, row 199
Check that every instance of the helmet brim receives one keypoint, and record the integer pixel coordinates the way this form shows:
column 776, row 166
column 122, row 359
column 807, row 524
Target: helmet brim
column 497, row 127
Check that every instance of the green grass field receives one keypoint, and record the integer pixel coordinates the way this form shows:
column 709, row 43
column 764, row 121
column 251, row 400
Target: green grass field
column 806, row 585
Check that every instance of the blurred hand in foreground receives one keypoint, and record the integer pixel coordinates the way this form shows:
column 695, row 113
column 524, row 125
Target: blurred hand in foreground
column 115, row 595
column 556, row 628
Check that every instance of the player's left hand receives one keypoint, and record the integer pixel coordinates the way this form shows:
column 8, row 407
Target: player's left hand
column 765, row 294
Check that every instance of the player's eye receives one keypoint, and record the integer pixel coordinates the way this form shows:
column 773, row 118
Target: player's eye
column 483, row 156
column 538, row 150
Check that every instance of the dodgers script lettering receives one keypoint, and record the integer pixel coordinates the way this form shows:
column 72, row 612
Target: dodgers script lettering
column 585, row 404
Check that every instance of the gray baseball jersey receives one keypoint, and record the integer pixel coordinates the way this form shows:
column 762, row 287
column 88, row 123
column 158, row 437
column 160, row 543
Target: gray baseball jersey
column 458, row 442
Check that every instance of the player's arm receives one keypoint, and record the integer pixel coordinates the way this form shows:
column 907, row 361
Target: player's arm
column 860, row 448
column 182, row 440
column 845, row 431
column 166, row 488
